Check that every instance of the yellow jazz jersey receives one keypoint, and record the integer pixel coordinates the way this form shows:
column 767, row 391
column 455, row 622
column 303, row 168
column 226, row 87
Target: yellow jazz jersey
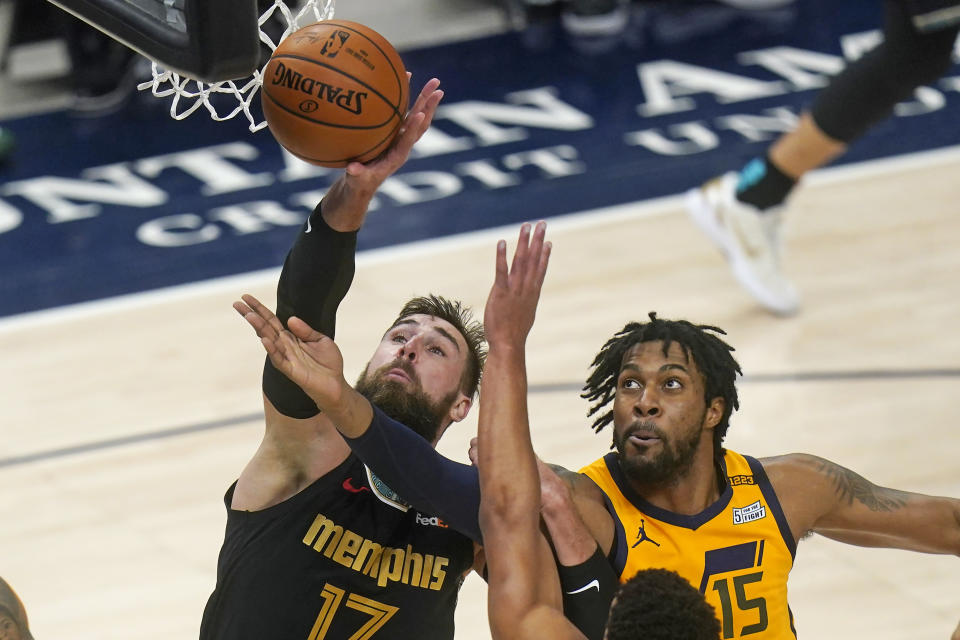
column 738, row 551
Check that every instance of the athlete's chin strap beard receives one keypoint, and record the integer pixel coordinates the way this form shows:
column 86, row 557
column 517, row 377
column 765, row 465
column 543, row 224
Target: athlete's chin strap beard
column 412, row 408
column 666, row 468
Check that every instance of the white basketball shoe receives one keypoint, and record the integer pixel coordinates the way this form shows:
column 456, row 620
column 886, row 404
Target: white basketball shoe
column 749, row 238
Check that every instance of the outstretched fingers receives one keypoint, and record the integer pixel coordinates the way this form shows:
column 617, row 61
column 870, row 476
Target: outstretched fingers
column 283, row 351
column 279, row 343
column 427, row 94
column 542, row 253
column 263, row 321
column 418, row 119
column 265, row 314
column 512, row 303
column 501, row 274
column 303, row 331
column 314, row 351
column 520, row 254
column 414, row 125
column 531, row 258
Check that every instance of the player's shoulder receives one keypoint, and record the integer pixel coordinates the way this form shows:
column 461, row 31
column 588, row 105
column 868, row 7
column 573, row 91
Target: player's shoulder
column 805, row 486
column 579, row 483
column 796, row 474
column 792, row 463
column 569, row 476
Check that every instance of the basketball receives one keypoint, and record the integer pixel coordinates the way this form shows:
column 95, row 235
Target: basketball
column 335, row 92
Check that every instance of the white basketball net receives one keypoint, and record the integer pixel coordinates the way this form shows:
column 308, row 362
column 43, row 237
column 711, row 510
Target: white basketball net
column 189, row 95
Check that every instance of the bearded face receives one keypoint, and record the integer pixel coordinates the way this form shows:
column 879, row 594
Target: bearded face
column 660, row 414
column 405, row 401
column 648, row 455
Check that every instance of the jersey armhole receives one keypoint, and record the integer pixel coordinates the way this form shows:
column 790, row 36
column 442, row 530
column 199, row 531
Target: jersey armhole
column 328, row 480
column 617, row 556
column 766, row 488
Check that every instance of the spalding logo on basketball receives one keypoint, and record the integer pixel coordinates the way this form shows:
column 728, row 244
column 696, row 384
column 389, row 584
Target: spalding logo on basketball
column 335, row 92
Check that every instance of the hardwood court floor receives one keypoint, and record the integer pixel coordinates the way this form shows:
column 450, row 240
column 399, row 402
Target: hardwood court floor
column 159, row 397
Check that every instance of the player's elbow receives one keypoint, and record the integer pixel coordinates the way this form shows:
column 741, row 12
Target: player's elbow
column 507, row 509
column 502, row 504
column 516, row 614
column 504, row 615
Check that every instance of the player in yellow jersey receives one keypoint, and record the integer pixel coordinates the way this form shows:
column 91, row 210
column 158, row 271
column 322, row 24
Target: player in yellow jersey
column 671, row 496
column 654, row 604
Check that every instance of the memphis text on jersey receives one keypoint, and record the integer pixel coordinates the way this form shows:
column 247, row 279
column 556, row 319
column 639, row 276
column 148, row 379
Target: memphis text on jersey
column 384, row 564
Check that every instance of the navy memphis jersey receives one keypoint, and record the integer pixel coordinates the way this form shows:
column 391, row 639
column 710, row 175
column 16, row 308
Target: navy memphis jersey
column 344, row 558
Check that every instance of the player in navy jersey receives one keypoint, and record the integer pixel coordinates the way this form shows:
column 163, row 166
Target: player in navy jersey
column 316, row 546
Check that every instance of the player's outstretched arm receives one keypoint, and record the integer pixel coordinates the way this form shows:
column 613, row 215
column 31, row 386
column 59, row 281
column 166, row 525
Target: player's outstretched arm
column 821, row 496
column 312, row 361
column 509, row 485
column 301, row 445
column 520, row 606
column 345, row 204
column 319, row 267
column 426, row 479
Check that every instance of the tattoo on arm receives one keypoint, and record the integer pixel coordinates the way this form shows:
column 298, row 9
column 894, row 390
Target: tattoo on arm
column 568, row 477
column 851, row 486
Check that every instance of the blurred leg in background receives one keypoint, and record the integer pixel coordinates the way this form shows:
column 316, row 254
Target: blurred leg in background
column 740, row 211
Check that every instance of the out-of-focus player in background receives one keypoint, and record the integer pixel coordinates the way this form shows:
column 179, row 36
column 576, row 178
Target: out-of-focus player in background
column 13, row 617
column 741, row 211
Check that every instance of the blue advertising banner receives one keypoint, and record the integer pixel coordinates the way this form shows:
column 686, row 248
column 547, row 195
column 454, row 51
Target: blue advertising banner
column 533, row 125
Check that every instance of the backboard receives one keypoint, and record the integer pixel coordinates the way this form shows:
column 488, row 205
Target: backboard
column 207, row 40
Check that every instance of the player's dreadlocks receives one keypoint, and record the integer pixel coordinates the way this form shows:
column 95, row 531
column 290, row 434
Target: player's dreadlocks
column 710, row 353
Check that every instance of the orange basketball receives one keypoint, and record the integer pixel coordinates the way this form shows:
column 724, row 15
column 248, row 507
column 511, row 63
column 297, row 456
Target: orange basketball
column 335, row 92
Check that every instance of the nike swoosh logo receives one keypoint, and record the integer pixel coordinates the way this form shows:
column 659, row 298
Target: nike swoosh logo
column 309, row 228
column 593, row 584
column 348, row 485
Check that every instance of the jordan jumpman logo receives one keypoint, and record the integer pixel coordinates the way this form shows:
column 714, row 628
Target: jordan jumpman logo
column 642, row 535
